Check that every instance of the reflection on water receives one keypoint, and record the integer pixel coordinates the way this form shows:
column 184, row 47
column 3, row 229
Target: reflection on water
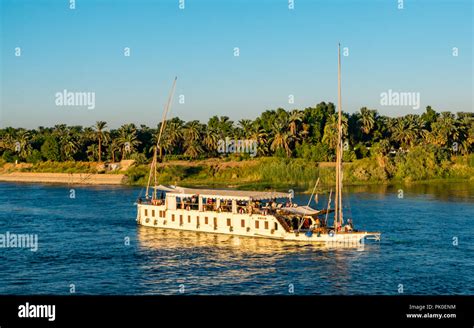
column 81, row 241
column 220, row 264
column 455, row 191
column 168, row 239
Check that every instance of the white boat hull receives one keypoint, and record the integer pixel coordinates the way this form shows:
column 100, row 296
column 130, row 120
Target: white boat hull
column 255, row 225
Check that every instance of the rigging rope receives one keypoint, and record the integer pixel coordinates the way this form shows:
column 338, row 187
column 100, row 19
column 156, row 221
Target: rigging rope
column 155, row 153
column 309, row 202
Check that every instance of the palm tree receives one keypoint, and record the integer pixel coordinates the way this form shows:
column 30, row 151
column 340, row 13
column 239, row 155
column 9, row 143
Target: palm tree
column 246, row 126
column 367, row 119
column 114, row 146
column 402, row 132
column 211, row 139
column 101, row 136
column 7, row 136
column 192, row 139
column 60, row 130
column 128, row 139
column 169, row 138
column 92, row 152
column 69, row 145
column 259, row 135
column 293, row 119
column 417, row 126
column 22, row 139
column 281, row 137
column 226, row 126
column 444, row 130
column 67, row 139
column 331, row 130
column 466, row 133
column 173, row 135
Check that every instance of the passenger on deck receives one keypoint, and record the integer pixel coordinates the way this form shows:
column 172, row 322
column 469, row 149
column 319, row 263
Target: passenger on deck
column 317, row 223
column 349, row 222
column 348, row 227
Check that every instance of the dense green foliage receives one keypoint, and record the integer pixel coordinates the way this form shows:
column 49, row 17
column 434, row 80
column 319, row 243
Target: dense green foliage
column 289, row 146
column 310, row 134
column 297, row 173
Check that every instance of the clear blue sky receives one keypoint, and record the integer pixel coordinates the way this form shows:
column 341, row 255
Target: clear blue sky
column 282, row 52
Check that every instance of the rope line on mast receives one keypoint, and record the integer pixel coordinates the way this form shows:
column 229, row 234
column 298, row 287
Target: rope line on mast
column 338, row 206
column 328, row 208
column 309, row 202
column 155, row 153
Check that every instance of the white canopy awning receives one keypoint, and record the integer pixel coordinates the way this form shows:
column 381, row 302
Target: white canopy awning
column 222, row 193
column 301, row 210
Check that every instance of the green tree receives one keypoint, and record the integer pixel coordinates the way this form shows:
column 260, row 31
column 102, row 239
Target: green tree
column 294, row 119
column 101, row 136
column 50, row 149
column 281, row 137
column 192, row 139
column 367, row 120
column 331, row 130
column 127, row 139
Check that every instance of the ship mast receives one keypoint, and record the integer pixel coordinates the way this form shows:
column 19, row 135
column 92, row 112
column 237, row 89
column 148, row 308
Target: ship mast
column 153, row 167
column 338, row 218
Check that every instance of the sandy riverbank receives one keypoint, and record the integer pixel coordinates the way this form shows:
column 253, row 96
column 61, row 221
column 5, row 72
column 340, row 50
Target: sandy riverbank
column 66, row 178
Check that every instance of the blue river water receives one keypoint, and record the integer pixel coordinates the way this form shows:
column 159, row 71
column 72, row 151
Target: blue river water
column 91, row 244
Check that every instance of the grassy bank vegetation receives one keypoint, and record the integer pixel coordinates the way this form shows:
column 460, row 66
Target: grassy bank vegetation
column 50, row 167
column 299, row 174
column 291, row 148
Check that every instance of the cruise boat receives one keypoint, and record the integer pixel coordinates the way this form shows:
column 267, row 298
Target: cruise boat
column 257, row 214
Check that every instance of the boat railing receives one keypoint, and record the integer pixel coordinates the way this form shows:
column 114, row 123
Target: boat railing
column 156, row 202
column 189, row 206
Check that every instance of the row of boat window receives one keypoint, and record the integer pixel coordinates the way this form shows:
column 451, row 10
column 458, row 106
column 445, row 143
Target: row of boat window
column 161, row 213
column 206, row 220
